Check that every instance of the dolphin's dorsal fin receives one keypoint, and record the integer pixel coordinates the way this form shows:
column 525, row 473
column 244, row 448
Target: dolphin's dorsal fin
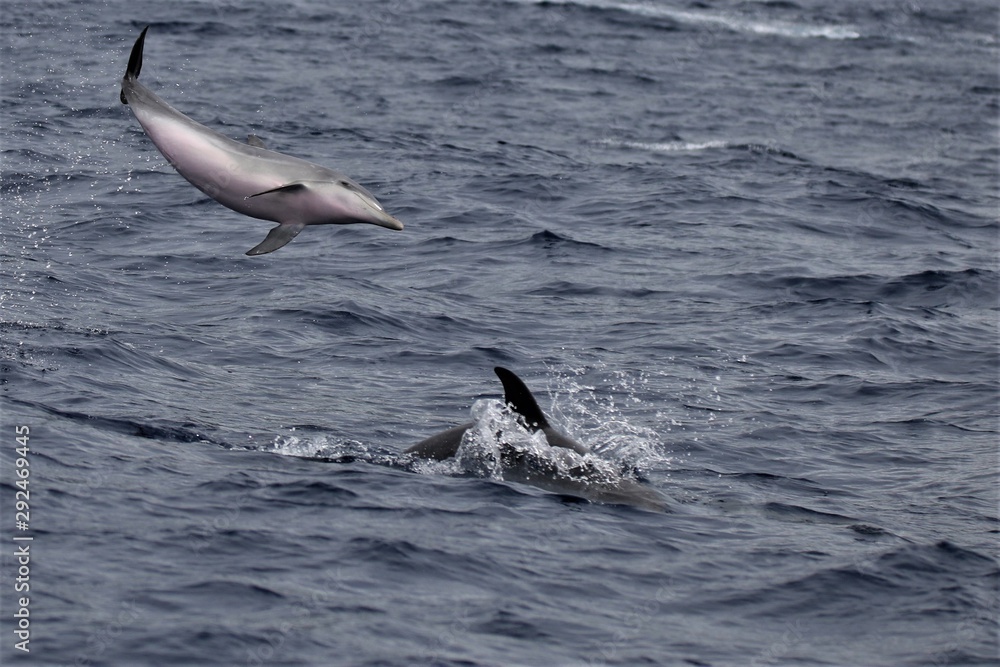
column 282, row 189
column 276, row 238
column 254, row 140
column 519, row 398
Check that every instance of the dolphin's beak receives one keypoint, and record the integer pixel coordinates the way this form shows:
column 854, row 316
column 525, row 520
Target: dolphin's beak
column 389, row 222
column 378, row 216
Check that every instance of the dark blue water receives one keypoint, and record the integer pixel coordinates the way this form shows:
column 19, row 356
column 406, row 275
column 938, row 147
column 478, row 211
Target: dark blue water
column 747, row 250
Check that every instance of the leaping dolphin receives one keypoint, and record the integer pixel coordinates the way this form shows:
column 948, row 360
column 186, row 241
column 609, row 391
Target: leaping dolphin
column 249, row 178
column 572, row 475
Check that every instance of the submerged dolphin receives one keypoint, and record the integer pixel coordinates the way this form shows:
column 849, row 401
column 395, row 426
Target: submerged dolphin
column 248, row 178
column 566, row 475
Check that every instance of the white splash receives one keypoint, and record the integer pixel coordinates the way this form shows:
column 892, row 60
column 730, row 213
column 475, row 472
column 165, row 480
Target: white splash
column 316, row 446
column 726, row 20
column 481, row 453
column 667, row 146
column 602, row 418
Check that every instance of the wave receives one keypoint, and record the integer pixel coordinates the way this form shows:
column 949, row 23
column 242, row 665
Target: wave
column 666, row 146
column 733, row 21
column 152, row 429
column 679, row 146
column 930, row 288
column 935, row 579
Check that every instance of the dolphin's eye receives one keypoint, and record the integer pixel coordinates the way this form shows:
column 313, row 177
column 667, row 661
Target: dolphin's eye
column 354, row 187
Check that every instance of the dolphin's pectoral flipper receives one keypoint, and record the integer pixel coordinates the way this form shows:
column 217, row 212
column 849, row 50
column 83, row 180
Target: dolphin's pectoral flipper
column 276, row 238
column 281, row 189
column 254, row 140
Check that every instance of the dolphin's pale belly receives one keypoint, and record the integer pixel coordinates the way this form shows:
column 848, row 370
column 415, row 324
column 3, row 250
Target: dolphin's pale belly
column 209, row 162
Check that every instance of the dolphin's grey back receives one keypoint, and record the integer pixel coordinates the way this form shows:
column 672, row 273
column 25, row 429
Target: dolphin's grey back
column 555, row 470
column 442, row 445
column 520, row 400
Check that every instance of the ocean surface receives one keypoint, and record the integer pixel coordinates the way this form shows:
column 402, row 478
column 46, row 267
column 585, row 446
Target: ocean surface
column 745, row 251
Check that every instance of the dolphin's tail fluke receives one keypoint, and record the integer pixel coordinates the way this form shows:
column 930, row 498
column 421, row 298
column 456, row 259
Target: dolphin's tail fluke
column 134, row 62
column 518, row 397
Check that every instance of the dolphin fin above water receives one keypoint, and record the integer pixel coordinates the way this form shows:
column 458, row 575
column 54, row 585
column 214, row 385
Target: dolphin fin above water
column 521, row 401
column 237, row 175
column 578, row 477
